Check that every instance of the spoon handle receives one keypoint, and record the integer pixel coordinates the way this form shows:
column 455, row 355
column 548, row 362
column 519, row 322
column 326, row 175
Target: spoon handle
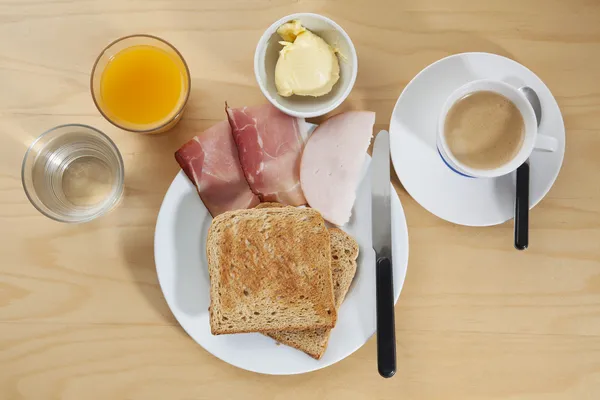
column 522, row 207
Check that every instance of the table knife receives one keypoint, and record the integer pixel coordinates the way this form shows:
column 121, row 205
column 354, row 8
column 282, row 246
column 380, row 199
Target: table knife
column 381, row 214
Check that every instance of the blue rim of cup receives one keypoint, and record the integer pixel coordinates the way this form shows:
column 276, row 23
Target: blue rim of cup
column 449, row 166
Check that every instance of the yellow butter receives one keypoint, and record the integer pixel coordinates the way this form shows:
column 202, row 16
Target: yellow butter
column 307, row 65
column 290, row 30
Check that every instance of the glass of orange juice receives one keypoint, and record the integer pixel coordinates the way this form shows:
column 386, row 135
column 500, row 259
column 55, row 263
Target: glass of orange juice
column 141, row 83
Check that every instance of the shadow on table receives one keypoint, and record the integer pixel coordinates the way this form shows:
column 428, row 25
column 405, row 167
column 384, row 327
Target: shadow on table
column 137, row 247
column 182, row 241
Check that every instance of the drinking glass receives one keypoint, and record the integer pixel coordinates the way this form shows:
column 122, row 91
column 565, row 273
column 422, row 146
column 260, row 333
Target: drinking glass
column 124, row 43
column 73, row 173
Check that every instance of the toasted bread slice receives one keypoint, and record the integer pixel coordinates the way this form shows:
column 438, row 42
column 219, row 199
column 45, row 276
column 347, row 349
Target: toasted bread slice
column 270, row 270
column 344, row 251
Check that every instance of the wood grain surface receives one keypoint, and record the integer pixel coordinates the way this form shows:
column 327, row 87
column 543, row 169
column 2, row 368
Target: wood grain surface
column 81, row 312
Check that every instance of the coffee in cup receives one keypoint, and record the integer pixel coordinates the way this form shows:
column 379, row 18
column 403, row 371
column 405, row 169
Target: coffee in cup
column 484, row 130
column 487, row 128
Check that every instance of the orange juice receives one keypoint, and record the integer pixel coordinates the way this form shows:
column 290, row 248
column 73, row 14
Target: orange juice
column 143, row 87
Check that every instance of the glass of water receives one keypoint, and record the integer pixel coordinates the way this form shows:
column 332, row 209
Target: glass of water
column 73, row 173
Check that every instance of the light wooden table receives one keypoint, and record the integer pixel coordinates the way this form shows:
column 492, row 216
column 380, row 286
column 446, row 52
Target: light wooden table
column 81, row 312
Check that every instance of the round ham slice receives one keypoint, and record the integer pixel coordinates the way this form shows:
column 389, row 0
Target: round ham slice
column 332, row 161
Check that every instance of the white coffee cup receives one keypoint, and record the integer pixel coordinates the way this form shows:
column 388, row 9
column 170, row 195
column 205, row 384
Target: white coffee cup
column 532, row 140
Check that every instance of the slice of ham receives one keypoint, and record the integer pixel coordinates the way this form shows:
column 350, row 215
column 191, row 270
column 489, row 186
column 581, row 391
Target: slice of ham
column 270, row 147
column 332, row 162
column 211, row 162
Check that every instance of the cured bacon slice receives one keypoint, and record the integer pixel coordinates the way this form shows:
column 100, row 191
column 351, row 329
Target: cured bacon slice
column 270, row 147
column 211, row 162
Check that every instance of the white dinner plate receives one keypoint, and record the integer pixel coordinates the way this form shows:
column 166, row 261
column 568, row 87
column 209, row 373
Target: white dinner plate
column 180, row 256
column 458, row 199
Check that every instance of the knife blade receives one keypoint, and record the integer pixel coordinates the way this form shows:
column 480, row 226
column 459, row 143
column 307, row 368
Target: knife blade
column 381, row 219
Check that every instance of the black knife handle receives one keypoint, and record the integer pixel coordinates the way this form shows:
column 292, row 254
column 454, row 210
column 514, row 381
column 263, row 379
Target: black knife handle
column 522, row 208
column 386, row 333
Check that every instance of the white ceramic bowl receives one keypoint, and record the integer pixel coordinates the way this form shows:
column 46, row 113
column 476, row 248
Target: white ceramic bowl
column 267, row 53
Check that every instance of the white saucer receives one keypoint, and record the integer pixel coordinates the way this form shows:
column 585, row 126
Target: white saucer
column 461, row 200
column 180, row 257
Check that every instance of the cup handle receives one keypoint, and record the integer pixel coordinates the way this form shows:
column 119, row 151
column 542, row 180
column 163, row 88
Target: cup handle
column 546, row 143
